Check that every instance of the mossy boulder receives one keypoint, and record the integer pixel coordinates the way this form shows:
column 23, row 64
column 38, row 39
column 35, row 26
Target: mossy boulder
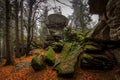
column 63, row 55
column 97, row 62
column 64, row 51
column 50, row 56
column 66, row 48
column 67, row 62
column 37, row 63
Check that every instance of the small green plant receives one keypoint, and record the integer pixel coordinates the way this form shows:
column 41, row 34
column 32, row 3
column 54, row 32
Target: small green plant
column 74, row 35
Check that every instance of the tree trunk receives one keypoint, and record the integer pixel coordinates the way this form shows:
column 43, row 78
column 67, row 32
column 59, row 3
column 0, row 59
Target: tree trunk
column 80, row 15
column 1, row 32
column 4, row 45
column 17, row 30
column 29, row 30
column 9, row 59
column 0, row 48
column 22, row 29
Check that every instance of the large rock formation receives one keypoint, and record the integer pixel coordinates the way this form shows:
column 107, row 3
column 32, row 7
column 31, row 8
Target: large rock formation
column 55, row 24
column 106, row 35
column 57, row 21
column 95, row 6
column 109, row 16
column 113, row 14
column 96, row 56
column 101, row 31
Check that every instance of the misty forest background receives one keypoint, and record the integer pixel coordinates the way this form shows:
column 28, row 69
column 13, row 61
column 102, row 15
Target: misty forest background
column 23, row 24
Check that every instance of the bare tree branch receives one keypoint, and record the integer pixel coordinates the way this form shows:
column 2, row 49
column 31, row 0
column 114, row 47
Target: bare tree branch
column 64, row 3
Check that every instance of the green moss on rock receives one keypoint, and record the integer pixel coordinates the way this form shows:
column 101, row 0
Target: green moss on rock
column 50, row 56
column 87, row 56
column 95, row 62
column 67, row 48
column 37, row 63
column 66, row 66
column 91, row 48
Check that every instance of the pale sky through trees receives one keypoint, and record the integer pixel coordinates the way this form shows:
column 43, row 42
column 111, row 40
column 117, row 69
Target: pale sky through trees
column 68, row 11
column 65, row 9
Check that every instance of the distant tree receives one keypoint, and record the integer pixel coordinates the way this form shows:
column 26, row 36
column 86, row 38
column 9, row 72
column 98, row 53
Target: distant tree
column 0, row 42
column 30, row 6
column 81, row 17
column 81, row 14
column 17, row 28
column 22, row 27
column 33, row 6
column 35, row 13
column 2, row 27
column 9, row 59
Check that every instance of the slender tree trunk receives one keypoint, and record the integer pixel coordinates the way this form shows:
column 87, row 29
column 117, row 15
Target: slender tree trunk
column 17, row 30
column 1, row 32
column 4, row 45
column 9, row 59
column 22, row 29
column 0, row 48
column 29, row 30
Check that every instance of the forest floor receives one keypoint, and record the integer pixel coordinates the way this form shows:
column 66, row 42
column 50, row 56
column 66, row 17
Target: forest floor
column 27, row 73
